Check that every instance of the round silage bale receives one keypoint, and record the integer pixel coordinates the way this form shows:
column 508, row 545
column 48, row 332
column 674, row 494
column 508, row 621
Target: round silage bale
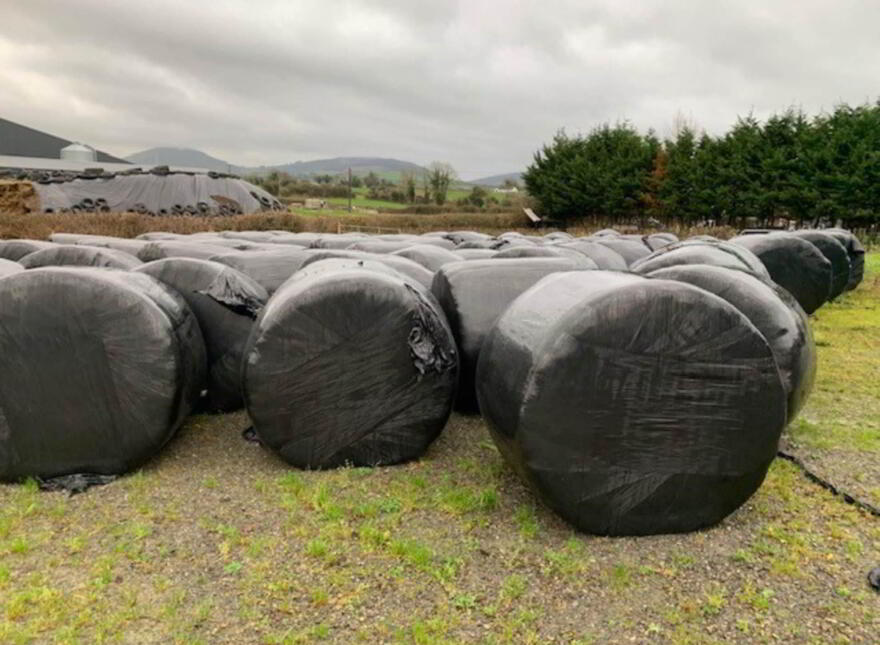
column 8, row 267
column 629, row 249
column 782, row 321
column 856, row 253
column 835, row 253
column 794, row 264
column 270, row 269
column 80, row 255
column 659, row 240
column 16, row 249
column 622, row 427
column 721, row 254
column 430, row 256
column 403, row 265
column 162, row 249
column 604, row 257
column 476, row 254
column 107, row 365
column 474, row 293
column 349, row 366
column 225, row 303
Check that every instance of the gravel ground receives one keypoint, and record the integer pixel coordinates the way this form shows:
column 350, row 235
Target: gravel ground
column 217, row 541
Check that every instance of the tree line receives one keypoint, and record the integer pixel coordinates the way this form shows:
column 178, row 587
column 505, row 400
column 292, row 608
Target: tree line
column 812, row 170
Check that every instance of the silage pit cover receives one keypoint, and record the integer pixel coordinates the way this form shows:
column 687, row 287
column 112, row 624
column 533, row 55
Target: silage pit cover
column 349, row 366
column 633, row 406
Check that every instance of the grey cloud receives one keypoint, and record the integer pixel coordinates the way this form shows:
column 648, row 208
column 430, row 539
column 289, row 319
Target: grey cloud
column 480, row 84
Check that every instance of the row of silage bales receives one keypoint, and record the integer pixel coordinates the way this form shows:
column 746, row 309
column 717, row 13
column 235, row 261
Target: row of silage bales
column 291, row 349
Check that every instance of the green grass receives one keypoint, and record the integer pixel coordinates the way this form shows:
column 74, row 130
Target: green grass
column 217, row 541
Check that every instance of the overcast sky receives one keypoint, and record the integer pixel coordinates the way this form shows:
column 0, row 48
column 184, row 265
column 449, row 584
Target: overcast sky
column 479, row 84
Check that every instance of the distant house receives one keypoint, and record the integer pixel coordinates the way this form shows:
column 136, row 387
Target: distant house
column 512, row 189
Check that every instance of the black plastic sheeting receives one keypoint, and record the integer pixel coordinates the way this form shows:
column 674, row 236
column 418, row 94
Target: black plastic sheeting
column 835, row 253
column 474, row 294
column 781, row 320
column 156, row 194
column 476, row 254
column 84, row 256
column 856, row 253
column 17, row 249
column 722, row 254
column 225, row 302
column 657, row 241
column 8, row 267
column 794, row 264
column 622, row 427
column 430, row 256
column 270, row 269
column 107, row 365
column 349, row 367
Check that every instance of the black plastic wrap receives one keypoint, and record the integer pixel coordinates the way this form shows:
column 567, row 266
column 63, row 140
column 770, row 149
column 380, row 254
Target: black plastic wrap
column 405, row 266
column 604, row 257
column 16, row 249
column 629, row 249
column 225, row 302
column 380, row 246
column 722, row 254
column 349, row 367
column 107, row 364
column 83, row 256
column 794, row 264
column 161, row 249
column 8, row 267
column 856, row 253
column 782, row 322
column 533, row 251
column 633, row 406
column 270, row 269
column 430, row 256
column 474, row 293
column 477, row 244
column 835, row 253
column 132, row 247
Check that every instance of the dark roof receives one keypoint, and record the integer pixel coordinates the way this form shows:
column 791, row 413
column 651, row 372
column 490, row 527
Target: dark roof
column 22, row 141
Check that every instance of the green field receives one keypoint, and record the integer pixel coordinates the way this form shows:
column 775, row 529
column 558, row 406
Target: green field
column 217, row 541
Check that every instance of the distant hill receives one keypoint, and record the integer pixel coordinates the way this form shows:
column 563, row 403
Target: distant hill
column 498, row 180
column 386, row 168
column 180, row 157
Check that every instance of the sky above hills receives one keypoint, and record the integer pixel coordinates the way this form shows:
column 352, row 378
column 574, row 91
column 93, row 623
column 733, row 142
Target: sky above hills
column 476, row 83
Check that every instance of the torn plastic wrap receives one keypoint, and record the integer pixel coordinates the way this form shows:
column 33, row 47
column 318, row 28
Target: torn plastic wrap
column 835, row 253
column 474, row 293
column 715, row 253
column 8, row 267
column 783, row 323
column 107, row 365
column 83, row 256
column 856, row 253
column 632, row 406
column 225, row 303
column 16, row 249
column 268, row 268
column 407, row 267
column 794, row 264
column 429, row 256
column 604, row 257
column 349, row 367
